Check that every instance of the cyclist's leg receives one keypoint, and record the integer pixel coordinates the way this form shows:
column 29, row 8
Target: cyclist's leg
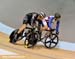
column 23, row 26
column 25, row 20
column 20, row 29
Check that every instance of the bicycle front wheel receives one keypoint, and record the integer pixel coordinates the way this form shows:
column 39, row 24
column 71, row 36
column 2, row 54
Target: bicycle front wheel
column 51, row 41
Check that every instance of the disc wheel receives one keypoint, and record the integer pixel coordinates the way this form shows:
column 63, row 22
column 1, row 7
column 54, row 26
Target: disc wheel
column 51, row 41
column 12, row 35
column 30, row 40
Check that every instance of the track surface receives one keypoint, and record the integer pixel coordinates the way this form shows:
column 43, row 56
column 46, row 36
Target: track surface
column 38, row 52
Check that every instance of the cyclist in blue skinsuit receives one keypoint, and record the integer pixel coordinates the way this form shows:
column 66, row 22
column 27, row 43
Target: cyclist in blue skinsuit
column 52, row 22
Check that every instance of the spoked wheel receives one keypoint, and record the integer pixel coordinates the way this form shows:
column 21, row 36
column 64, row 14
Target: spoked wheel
column 51, row 41
column 30, row 40
column 12, row 35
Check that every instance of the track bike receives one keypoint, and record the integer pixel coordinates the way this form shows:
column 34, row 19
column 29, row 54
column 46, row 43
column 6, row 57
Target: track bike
column 50, row 39
column 33, row 36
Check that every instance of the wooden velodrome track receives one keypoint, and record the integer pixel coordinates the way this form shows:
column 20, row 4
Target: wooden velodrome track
column 38, row 52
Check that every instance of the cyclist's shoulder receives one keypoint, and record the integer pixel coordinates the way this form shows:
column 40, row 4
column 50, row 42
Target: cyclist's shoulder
column 51, row 16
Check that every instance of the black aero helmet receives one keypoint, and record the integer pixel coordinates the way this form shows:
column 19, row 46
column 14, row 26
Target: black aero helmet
column 57, row 15
column 43, row 14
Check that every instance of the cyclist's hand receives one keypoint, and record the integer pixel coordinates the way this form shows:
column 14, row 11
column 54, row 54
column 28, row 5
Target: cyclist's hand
column 57, row 33
column 52, row 29
column 48, row 29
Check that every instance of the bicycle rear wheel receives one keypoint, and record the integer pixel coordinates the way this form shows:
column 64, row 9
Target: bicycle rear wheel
column 12, row 35
column 30, row 40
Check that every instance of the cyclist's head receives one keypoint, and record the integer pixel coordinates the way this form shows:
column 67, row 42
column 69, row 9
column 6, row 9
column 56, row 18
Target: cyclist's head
column 57, row 15
column 41, row 15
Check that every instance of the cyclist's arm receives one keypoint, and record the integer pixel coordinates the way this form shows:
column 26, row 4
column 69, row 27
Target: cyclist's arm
column 32, row 19
column 57, row 26
column 45, row 26
column 50, row 23
column 23, row 26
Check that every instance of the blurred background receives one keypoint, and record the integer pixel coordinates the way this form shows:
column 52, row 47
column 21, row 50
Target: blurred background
column 13, row 11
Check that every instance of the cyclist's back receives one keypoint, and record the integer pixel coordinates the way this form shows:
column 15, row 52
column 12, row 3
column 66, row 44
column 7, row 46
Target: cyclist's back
column 30, row 18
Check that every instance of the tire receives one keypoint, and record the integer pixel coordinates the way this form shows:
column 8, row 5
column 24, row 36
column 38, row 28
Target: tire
column 12, row 35
column 31, row 40
column 51, row 41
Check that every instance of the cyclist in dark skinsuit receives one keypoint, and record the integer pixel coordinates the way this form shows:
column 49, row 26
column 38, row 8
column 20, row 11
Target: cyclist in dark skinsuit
column 52, row 22
column 30, row 19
